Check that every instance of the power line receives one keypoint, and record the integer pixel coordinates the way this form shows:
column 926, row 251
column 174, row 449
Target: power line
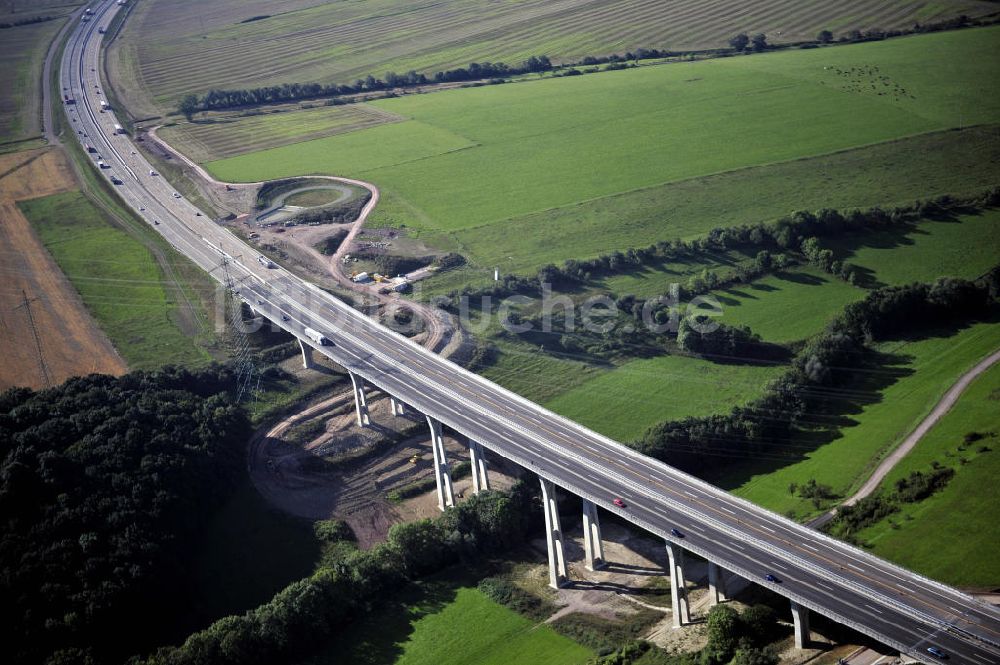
column 42, row 366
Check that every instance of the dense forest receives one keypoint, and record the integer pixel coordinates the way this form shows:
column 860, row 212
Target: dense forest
column 105, row 483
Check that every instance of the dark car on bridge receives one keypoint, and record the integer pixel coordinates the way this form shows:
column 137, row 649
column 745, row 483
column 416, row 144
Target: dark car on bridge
column 771, row 578
column 937, row 653
column 676, row 534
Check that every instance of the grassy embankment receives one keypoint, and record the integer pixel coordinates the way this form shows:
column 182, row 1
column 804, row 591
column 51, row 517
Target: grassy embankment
column 22, row 55
column 951, row 536
column 118, row 279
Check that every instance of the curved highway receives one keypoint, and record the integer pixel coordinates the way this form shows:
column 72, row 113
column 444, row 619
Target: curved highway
column 893, row 605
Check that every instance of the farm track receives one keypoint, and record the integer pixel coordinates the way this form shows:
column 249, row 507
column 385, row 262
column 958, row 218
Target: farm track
column 940, row 409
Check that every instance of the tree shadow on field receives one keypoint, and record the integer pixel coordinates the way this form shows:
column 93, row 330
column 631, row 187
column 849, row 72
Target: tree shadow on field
column 832, row 409
column 379, row 637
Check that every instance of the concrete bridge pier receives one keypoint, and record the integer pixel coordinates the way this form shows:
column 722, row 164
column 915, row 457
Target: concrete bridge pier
column 446, row 495
column 716, row 584
column 307, row 355
column 800, row 617
column 480, row 477
column 592, row 543
column 558, row 574
column 678, row 590
column 360, row 401
column 397, row 407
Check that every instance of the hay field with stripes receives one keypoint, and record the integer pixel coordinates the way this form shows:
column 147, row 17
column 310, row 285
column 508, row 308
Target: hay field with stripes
column 172, row 48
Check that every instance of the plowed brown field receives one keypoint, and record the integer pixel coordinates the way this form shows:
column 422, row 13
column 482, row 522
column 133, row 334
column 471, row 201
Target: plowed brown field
column 68, row 341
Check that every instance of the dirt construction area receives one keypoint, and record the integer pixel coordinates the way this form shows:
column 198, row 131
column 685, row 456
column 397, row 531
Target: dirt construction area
column 319, row 464
column 53, row 337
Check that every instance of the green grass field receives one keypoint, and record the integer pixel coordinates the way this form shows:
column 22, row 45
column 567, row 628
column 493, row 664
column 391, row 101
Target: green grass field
column 117, row 278
column 965, row 246
column 22, row 54
column 624, row 402
column 218, row 135
column 521, row 174
column 880, row 413
column 793, row 305
column 446, row 621
column 952, row 535
column 306, row 40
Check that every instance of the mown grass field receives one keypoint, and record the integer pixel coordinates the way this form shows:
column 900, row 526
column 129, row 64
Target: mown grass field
column 117, row 278
column 307, row 40
column 879, row 414
column 624, row 402
column 482, row 170
column 446, row 621
column 964, row 246
column 22, row 54
column 794, row 305
column 217, row 135
column 952, row 535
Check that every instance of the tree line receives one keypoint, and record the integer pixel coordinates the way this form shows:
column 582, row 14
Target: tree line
column 26, row 21
column 798, row 234
column 105, row 485
column 224, row 99
column 769, row 423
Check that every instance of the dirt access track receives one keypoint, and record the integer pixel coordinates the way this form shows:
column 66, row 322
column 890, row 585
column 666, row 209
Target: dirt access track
column 69, row 342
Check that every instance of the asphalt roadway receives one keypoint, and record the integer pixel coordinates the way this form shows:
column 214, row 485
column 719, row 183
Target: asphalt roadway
column 895, row 606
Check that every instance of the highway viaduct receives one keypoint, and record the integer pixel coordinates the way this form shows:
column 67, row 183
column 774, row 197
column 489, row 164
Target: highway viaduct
column 897, row 607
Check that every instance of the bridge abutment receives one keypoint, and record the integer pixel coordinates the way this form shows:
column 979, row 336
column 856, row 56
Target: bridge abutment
column 592, row 544
column 678, row 590
column 558, row 573
column 445, row 493
column 480, row 476
column 360, row 400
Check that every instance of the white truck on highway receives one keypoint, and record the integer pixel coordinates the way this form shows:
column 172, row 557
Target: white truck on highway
column 119, row 129
column 264, row 261
column 318, row 337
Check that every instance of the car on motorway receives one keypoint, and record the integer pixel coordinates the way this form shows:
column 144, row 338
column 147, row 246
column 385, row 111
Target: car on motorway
column 285, row 317
column 771, row 578
column 937, row 653
column 676, row 534
column 197, row 214
column 152, row 172
column 141, row 207
column 618, row 502
column 176, row 195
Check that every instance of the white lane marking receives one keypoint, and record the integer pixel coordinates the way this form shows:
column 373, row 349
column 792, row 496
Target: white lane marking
column 726, row 509
column 873, row 608
column 738, row 546
column 827, row 587
column 856, row 567
column 980, row 658
column 778, row 565
column 691, row 494
column 905, row 587
column 696, row 528
column 766, row 528
column 810, row 547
